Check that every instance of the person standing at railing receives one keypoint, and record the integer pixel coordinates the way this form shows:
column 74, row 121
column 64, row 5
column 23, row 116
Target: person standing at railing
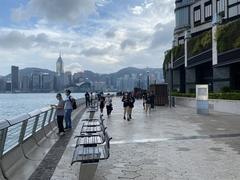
column 68, row 108
column 60, row 114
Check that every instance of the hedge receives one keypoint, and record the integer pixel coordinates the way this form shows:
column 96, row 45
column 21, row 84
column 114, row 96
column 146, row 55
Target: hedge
column 226, row 96
column 178, row 51
column 200, row 43
column 228, row 36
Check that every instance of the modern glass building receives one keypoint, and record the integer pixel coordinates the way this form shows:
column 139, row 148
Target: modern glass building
column 206, row 46
column 15, row 78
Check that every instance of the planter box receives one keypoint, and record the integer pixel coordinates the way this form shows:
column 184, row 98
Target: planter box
column 219, row 105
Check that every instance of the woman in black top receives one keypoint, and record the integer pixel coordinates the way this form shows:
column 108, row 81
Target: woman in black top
column 125, row 101
column 131, row 100
column 102, row 104
column 148, row 103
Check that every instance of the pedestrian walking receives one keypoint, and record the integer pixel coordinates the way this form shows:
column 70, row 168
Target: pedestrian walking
column 91, row 98
column 60, row 114
column 131, row 101
column 102, row 103
column 68, row 108
column 152, row 97
column 144, row 100
column 109, row 107
column 148, row 103
column 87, row 99
column 125, row 101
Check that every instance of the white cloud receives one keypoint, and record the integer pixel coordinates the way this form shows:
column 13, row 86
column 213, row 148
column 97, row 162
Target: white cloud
column 137, row 10
column 57, row 11
column 128, row 43
column 100, row 44
column 74, row 67
column 93, row 51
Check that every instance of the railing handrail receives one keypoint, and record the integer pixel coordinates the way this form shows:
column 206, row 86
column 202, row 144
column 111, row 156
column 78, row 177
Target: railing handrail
column 26, row 128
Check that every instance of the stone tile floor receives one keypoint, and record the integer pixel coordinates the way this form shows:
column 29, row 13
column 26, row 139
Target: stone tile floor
column 165, row 144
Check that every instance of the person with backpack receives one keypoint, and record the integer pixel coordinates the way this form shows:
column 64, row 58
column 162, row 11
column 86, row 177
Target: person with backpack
column 70, row 105
column 131, row 101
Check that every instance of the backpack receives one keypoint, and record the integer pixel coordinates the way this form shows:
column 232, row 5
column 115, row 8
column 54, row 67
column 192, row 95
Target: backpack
column 73, row 101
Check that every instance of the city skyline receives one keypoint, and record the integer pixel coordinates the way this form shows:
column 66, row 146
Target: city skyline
column 37, row 80
column 99, row 35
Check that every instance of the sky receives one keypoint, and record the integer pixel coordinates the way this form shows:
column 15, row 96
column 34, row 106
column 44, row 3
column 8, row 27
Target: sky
column 99, row 35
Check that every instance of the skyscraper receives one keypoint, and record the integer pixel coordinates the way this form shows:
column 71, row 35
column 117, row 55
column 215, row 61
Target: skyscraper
column 60, row 73
column 59, row 66
column 15, row 78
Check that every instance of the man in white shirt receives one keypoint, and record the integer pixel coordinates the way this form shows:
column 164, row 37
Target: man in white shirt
column 68, row 108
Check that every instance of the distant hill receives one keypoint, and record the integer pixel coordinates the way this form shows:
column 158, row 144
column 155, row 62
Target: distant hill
column 29, row 71
column 92, row 76
column 133, row 70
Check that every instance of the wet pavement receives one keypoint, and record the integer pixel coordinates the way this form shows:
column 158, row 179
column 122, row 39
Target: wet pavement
column 165, row 144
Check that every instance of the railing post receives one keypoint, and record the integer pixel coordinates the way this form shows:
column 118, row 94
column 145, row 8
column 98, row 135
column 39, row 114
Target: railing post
column 44, row 119
column 3, row 135
column 22, row 131
column 35, row 124
column 50, row 117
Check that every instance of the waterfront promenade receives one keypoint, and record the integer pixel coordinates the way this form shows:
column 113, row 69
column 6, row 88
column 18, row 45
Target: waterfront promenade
column 166, row 144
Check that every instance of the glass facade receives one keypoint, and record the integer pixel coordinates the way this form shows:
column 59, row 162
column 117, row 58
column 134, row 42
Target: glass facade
column 220, row 6
column 208, row 11
column 197, row 15
column 182, row 17
column 233, row 8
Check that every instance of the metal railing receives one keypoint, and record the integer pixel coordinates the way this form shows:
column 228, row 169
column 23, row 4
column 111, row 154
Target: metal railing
column 14, row 131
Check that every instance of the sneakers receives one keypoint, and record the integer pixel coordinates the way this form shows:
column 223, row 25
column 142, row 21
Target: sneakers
column 62, row 133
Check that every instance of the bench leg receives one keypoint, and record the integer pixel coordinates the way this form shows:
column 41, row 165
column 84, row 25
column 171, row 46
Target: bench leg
column 87, row 171
column 91, row 115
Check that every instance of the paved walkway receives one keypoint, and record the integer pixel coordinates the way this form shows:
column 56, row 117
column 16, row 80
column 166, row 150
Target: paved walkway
column 166, row 144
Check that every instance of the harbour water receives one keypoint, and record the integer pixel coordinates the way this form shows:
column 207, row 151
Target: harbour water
column 14, row 104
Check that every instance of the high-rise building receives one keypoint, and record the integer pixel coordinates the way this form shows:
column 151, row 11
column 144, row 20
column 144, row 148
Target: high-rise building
column 67, row 78
column 60, row 73
column 59, row 66
column 15, row 78
column 206, row 46
column 47, row 82
column 2, row 85
column 25, row 84
column 36, row 81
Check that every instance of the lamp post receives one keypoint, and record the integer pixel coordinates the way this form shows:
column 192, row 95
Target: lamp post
column 139, row 80
column 148, row 80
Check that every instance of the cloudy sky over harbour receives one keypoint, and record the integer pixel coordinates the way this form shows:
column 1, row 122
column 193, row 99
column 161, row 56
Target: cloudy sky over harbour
column 99, row 35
